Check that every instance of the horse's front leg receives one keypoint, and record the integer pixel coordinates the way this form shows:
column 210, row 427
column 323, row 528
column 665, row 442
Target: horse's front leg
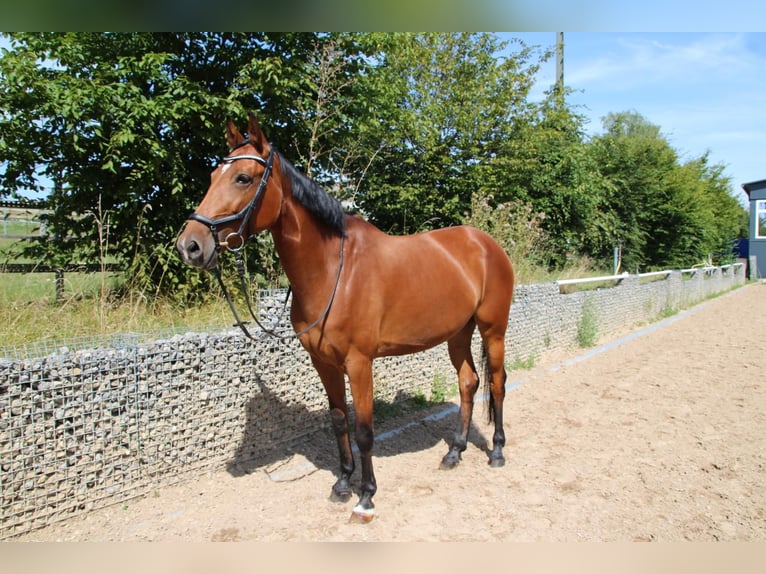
column 335, row 387
column 359, row 370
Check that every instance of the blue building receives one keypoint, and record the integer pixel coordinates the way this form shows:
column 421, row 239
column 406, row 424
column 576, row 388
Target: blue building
column 756, row 193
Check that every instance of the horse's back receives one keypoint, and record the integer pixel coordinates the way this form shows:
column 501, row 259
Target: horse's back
column 450, row 255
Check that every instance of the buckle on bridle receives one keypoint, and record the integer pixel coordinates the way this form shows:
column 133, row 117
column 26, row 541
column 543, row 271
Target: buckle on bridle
column 227, row 242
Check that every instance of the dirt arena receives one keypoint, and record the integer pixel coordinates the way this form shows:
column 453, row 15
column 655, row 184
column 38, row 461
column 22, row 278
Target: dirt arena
column 658, row 435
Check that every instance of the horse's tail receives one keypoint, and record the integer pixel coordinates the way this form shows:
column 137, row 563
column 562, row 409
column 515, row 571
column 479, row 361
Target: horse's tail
column 487, row 375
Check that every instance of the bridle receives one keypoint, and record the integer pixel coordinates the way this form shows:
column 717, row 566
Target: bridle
column 239, row 239
column 246, row 211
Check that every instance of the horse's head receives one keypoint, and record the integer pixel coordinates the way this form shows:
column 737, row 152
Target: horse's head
column 243, row 199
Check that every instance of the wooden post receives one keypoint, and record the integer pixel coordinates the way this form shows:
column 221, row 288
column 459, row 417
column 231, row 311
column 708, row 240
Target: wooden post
column 59, row 285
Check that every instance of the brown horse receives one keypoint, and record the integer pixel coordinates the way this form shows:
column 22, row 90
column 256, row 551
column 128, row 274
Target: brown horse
column 359, row 293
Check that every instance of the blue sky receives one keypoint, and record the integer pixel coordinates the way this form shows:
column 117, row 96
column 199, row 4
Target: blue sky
column 706, row 91
column 605, row 15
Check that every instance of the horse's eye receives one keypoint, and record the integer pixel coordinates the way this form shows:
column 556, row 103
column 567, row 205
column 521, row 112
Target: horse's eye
column 244, row 179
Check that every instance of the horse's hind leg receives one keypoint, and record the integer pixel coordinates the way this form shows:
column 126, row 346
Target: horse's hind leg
column 335, row 386
column 494, row 349
column 468, row 381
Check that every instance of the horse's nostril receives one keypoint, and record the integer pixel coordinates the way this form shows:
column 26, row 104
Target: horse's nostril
column 192, row 247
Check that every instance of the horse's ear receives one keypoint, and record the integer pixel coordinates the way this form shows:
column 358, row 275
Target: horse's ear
column 256, row 134
column 233, row 136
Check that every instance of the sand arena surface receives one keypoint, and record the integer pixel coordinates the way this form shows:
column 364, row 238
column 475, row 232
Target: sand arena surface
column 653, row 437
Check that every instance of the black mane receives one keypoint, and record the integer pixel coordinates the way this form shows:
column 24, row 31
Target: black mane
column 313, row 197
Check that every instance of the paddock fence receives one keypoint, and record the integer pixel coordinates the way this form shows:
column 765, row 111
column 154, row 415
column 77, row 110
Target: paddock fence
column 93, row 423
column 58, row 272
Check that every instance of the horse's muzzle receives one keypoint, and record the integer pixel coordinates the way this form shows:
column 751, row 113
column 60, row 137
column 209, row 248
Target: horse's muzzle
column 196, row 252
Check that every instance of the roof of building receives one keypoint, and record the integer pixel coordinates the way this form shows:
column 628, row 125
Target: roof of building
column 748, row 187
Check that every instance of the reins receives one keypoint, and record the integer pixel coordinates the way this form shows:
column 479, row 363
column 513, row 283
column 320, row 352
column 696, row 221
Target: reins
column 245, row 291
column 245, row 214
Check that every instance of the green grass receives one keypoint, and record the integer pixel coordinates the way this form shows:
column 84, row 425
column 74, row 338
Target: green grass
column 41, row 287
column 29, row 311
column 10, row 251
column 519, row 364
column 587, row 326
column 668, row 311
column 579, row 268
column 19, row 228
column 441, row 392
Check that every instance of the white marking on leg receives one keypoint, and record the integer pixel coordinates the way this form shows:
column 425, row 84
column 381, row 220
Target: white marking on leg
column 359, row 509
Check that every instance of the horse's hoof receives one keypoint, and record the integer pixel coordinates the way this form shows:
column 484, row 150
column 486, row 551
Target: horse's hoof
column 361, row 515
column 340, row 496
column 497, row 462
column 449, row 461
column 341, row 491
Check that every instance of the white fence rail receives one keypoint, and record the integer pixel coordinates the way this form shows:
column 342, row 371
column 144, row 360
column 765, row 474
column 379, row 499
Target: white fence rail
column 666, row 273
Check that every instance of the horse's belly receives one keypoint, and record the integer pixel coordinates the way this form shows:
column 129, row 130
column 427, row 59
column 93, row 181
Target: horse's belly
column 412, row 328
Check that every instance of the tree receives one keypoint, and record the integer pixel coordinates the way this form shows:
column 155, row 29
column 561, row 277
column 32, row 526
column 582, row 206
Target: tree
column 453, row 102
column 543, row 162
column 671, row 214
column 417, row 130
column 338, row 107
column 128, row 126
column 703, row 217
column 637, row 160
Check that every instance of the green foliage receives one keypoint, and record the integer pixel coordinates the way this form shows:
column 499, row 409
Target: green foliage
column 669, row 310
column 517, row 228
column 119, row 123
column 454, row 102
column 668, row 213
column 441, row 390
column 587, row 326
column 519, row 364
column 133, row 123
column 544, row 164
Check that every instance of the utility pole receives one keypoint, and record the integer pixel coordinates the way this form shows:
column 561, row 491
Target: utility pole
column 560, row 66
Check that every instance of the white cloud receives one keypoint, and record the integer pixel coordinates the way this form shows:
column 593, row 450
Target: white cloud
column 645, row 60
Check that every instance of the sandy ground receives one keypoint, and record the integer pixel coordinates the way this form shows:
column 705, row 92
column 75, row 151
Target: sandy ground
column 653, row 437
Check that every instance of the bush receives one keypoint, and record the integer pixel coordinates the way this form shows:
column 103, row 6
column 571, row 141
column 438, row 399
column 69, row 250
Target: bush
column 587, row 327
column 518, row 230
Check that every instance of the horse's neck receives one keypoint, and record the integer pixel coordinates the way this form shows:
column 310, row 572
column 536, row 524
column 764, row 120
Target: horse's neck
column 308, row 251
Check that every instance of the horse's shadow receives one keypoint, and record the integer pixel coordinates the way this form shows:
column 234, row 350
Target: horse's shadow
column 401, row 425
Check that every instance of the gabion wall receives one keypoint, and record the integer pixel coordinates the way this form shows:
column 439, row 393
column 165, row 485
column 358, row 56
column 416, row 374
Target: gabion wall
column 82, row 428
